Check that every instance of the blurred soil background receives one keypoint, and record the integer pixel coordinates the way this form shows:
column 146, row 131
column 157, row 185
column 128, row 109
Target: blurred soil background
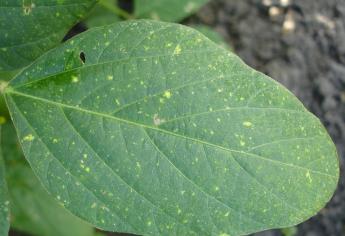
column 301, row 44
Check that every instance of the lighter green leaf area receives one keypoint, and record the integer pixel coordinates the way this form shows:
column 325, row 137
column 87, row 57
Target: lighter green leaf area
column 163, row 132
column 100, row 15
column 4, row 199
column 33, row 210
column 31, row 27
column 166, row 10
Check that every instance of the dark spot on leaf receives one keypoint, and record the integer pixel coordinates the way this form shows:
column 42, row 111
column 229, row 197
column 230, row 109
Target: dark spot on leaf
column 82, row 56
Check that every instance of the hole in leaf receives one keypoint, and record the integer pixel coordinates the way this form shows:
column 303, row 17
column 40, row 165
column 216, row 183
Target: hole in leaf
column 82, row 56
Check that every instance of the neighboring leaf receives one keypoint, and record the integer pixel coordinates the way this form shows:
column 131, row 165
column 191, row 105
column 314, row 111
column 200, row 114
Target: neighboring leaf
column 5, row 76
column 29, row 28
column 100, row 16
column 166, row 10
column 163, row 132
column 33, row 210
column 213, row 35
column 4, row 201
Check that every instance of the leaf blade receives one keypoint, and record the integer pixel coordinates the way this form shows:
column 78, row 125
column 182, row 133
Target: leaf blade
column 126, row 107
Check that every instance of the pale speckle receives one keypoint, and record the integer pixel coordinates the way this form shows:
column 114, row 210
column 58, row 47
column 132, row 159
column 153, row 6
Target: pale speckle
column 247, row 123
column 149, row 223
column 29, row 138
column 167, row 94
column 2, row 120
column 227, row 214
column 177, row 50
column 74, row 79
column 157, row 120
column 93, row 205
column 307, row 175
column 242, row 143
column 55, row 140
column 28, row 9
column 138, row 165
column 87, row 169
column 110, row 77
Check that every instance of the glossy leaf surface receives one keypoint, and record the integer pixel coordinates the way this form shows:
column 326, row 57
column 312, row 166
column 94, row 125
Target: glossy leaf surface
column 159, row 131
column 28, row 28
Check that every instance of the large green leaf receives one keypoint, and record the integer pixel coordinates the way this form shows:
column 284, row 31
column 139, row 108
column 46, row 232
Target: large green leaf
column 166, row 10
column 28, row 28
column 32, row 209
column 4, row 201
column 162, row 132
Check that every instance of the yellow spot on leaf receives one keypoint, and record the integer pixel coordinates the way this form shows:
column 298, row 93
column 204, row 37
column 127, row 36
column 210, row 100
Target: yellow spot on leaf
column 29, row 138
column 75, row 79
column 110, row 77
column 167, row 94
column 177, row 49
column 2, row 120
column 247, row 124
column 307, row 175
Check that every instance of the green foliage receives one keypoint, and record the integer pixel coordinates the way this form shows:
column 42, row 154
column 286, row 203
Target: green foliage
column 104, row 13
column 4, row 200
column 166, row 10
column 29, row 28
column 161, row 132
column 32, row 209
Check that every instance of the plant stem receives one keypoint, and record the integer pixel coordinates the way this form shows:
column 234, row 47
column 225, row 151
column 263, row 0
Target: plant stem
column 118, row 11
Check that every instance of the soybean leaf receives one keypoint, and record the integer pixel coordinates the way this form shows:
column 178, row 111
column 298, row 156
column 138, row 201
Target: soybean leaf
column 33, row 210
column 166, row 10
column 28, row 28
column 162, row 132
column 101, row 15
column 4, row 201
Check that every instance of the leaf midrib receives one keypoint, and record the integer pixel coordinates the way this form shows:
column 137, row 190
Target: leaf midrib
column 11, row 91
